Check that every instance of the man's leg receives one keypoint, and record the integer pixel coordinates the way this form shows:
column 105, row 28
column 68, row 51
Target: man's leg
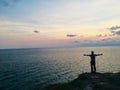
column 94, row 68
column 91, row 68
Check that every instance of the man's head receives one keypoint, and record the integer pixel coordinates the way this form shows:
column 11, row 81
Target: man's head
column 92, row 52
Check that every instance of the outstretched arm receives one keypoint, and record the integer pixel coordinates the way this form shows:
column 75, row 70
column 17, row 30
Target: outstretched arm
column 86, row 55
column 98, row 54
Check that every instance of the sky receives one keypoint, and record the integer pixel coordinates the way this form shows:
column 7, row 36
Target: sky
column 59, row 23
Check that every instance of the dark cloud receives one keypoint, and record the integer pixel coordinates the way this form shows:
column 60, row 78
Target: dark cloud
column 71, row 35
column 114, row 28
column 100, row 35
column 36, row 31
column 117, row 32
column 7, row 3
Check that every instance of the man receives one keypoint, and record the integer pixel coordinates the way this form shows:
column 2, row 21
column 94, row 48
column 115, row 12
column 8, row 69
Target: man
column 92, row 62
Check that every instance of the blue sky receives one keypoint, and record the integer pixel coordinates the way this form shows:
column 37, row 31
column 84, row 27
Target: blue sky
column 59, row 23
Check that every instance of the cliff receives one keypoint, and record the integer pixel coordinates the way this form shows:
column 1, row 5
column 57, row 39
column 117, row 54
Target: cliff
column 88, row 81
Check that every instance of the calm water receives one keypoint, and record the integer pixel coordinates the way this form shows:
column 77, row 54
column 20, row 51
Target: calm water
column 24, row 69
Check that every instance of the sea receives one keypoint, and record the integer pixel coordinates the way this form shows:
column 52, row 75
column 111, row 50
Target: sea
column 27, row 69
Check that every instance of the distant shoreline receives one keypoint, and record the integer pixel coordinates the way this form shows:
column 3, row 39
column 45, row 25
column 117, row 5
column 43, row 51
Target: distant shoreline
column 88, row 81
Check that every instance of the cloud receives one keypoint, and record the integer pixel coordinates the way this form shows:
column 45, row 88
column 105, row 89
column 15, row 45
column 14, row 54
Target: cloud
column 114, row 28
column 117, row 32
column 104, row 42
column 36, row 31
column 71, row 35
column 100, row 35
column 7, row 3
column 112, row 34
column 107, row 39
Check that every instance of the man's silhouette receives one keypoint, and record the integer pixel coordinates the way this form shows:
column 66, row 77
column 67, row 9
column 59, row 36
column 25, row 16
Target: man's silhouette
column 92, row 62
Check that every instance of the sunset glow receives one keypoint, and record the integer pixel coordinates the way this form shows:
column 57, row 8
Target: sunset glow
column 59, row 23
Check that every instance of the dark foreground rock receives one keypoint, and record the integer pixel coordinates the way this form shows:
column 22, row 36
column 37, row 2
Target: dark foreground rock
column 88, row 81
